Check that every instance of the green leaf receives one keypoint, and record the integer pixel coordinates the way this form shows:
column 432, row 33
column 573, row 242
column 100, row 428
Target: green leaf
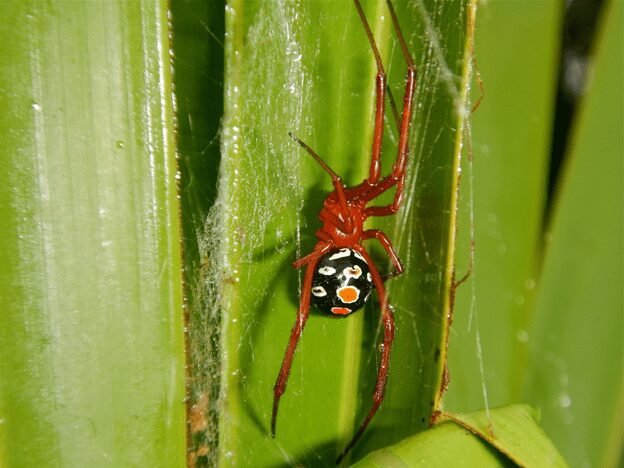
column 495, row 438
column 542, row 323
column 91, row 329
column 576, row 371
column 503, row 196
column 288, row 70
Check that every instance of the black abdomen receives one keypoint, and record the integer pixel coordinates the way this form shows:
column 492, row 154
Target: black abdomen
column 342, row 282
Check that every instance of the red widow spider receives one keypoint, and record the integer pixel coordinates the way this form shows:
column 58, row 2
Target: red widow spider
column 340, row 273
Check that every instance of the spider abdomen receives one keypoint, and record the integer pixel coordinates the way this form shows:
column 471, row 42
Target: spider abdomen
column 342, row 282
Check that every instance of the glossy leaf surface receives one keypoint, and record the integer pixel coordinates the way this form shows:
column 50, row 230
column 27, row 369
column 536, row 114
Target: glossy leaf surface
column 576, row 371
column 91, row 340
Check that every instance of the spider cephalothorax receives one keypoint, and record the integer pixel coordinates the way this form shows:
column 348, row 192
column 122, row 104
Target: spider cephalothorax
column 340, row 274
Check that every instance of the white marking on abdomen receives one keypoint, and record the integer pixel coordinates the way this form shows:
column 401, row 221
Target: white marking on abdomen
column 319, row 291
column 352, row 272
column 340, row 254
column 358, row 255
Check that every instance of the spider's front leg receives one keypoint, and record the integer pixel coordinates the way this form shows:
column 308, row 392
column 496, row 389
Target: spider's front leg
column 380, row 93
column 397, row 177
column 382, row 374
column 295, row 334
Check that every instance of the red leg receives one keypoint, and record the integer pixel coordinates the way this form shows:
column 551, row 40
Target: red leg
column 319, row 249
column 410, row 85
column 382, row 374
column 398, row 170
column 339, row 188
column 327, row 216
column 397, row 177
column 295, row 334
column 388, row 210
column 380, row 84
column 387, row 245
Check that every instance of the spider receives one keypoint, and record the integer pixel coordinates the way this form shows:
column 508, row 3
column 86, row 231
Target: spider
column 340, row 273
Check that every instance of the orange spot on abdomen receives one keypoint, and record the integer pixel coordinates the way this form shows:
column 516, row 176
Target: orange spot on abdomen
column 348, row 294
column 340, row 310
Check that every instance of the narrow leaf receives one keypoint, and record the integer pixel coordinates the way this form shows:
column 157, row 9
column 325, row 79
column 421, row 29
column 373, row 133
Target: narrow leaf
column 511, row 138
column 91, row 329
column 576, row 377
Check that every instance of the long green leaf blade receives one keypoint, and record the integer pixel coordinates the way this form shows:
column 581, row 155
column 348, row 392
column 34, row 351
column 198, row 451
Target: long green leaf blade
column 511, row 147
column 91, row 339
column 576, row 373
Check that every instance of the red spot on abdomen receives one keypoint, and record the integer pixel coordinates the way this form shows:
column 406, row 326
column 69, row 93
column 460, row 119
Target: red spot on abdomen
column 340, row 310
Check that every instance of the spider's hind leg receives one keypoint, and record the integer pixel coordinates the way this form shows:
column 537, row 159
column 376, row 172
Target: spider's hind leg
column 387, row 317
column 295, row 335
